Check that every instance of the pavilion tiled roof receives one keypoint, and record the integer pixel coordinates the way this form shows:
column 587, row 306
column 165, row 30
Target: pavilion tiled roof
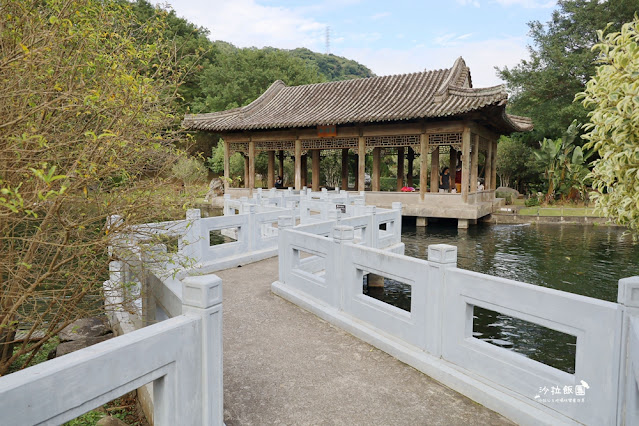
column 428, row 94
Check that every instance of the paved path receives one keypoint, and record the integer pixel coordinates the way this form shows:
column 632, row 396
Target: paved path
column 284, row 365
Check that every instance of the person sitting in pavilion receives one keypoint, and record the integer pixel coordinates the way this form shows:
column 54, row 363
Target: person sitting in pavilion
column 278, row 183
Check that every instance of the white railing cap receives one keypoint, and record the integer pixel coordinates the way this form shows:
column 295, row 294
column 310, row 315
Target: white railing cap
column 628, row 292
column 202, row 291
column 442, row 253
column 343, row 233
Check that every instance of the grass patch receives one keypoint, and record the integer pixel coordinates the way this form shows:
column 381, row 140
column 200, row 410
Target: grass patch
column 558, row 211
column 41, row 356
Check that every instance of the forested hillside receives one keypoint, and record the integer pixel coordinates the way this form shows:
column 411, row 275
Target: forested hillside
column 222, row 76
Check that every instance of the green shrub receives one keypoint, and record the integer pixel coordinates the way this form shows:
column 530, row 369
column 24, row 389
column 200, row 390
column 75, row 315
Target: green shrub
column 189, row 170
column 387, row 184
column 532, row 201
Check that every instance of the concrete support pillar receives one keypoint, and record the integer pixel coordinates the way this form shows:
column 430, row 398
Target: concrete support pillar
column 316, row 169
column 376, row 169
column 488, row 169
column 227, row 166
column 251, row 167
column 400, row 168
column 304, row 170
column 375, row 280
column 465, row 164
column 422, row 222
column 411, row 158
column 345, row 169
column 452, row 165
column 298, row 164
column 423, row 157
column 462, row 223
column 434, row 170
column 281, row 168
column 493, row 175
column 361, row 164
column 271, row 169
column 474, row 164
column 246, row 171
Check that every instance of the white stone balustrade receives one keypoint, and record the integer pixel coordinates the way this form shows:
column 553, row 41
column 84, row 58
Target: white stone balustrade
column 435, row 335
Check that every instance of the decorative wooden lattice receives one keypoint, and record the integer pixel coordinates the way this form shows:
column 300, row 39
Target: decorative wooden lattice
column 238, row 147
column 392, row 141
column 445, row 141
column 334, row 143
column 275, row 146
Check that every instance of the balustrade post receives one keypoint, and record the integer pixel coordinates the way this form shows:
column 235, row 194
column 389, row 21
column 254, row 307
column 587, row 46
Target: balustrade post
column 372, row 230
column 202, row 298
column 342, row 234
column 628, row 393
column 284, row 254
column 227, row 207
column 441, row 257
column 193, row 241
column 397, row 229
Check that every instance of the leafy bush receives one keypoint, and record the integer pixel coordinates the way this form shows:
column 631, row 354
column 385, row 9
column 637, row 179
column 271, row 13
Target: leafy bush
column 387, row 184
column 189, row 170
column 532, row 201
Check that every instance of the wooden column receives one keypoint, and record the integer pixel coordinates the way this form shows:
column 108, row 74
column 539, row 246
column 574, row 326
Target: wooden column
column 434, row 170
column 488, row 169
column 423, row 167
column 361, row 164
column 411, row 158
column 400, row 168
column 271, row 169
column 304, row 170
column 376, row 160
column 452, row 165
column 298, row 164
column 465, row 163
column 246, row 171
column 281, row 155
column 316, row 169
column 227, row 166
column 474, row 164
column 493, row 174
column 251, row 167
column 345, row 168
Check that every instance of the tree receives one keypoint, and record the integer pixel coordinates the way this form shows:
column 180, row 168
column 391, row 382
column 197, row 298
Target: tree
column 561, row 62
column 237, row 79
column 513, row 162
column 87, row 132
column 613, row 93
column 564, row 165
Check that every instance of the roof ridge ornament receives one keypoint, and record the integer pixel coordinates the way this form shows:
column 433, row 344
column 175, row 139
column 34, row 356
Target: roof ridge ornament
column 453, row 75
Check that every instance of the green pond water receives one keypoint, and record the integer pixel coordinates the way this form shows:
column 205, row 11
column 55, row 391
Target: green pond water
column 586, row 260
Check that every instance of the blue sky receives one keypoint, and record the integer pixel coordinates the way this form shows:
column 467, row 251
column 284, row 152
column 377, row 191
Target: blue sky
column 390, row 37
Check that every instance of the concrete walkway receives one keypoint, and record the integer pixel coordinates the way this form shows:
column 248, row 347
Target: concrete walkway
column 284, row 365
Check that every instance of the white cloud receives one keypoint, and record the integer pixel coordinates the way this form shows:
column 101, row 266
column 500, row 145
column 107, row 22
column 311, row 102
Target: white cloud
column 480, row 56
column 469, row 3
column 528, row 4
column 380, row 15
column 451, row 39
column 246, row 23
